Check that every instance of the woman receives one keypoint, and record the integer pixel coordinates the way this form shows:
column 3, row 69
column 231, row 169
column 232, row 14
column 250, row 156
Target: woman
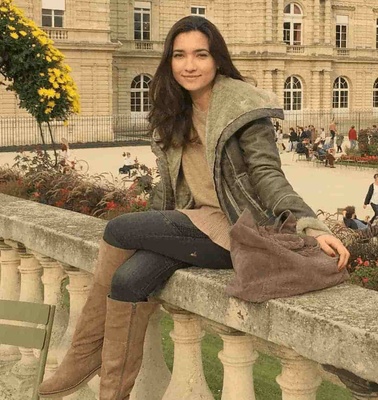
column 372, row 198
column 208, row 176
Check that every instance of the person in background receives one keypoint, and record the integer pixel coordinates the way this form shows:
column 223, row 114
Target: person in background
column 332, row 129
column 209, row 129
column 65, row 155
column 352, row 136
column 330, row 158
column 372, row 198
column 293, row 140
column 128, row 164
column 351, row 221
column 322, row 136
column 339, row 142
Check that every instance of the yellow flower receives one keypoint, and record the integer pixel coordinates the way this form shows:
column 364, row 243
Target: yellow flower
column 57, row 95
column 3, row 9
column 48, row 59
column 52, row 79
column 14, row 35
column 11, row 28
column 41, row 74
column 51, row 104
column 55, row 85
column 23, row 33
column 48, row 111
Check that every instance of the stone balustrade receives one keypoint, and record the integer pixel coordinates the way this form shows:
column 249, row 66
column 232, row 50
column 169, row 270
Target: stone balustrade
column 43, row 246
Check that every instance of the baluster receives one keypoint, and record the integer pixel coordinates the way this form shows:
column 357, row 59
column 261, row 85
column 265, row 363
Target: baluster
column 52, row 277
column 9, row 290
column 300, row 378
column 78, row 288
column 31, row 290
column 238, row 357
column 188, row 380
column 154, row 375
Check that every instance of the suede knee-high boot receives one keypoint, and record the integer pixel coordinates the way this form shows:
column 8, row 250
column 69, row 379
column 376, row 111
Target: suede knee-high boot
column 83, row 359
column 122, row 352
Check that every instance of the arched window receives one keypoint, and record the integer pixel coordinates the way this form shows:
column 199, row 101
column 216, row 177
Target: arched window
column 292, row 26
column 340, row 97
column 140, row 102
column 292, row 94
column 375, row 94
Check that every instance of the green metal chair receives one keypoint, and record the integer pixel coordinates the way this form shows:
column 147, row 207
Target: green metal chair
column 28, row 336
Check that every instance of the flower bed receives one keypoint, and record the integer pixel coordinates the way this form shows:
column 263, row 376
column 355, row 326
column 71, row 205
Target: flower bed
column 37, row 178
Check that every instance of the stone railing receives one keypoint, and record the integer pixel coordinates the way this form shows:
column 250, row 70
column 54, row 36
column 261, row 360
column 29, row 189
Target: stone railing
column 42, row 245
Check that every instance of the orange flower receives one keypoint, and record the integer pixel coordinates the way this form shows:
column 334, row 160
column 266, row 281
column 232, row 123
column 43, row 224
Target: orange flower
column 366, row 263
column 111, row 205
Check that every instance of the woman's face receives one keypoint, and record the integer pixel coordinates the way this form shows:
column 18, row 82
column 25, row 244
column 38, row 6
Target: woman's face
column 193, row 66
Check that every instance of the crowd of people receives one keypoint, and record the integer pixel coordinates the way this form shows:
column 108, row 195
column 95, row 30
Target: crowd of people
column 315, row 144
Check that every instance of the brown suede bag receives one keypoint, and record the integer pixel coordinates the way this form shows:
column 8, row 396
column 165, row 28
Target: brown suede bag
column 274, row 261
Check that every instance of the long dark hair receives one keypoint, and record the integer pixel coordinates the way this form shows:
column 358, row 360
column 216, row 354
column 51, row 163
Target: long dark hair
column 171, row 113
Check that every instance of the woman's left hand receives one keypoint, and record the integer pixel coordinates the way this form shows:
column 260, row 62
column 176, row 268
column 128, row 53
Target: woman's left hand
column 332, row 245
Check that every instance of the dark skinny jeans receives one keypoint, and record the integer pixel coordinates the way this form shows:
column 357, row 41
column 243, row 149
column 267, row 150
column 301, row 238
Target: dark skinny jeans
column 165, row 242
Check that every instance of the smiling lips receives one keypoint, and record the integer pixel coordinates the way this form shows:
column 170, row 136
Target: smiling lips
column 191, row 76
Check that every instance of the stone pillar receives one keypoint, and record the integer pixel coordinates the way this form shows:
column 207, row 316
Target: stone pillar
column 238, row 357
column 327, row 92
column 188, row 380
column 268, row 79
column 9, row 290
column 31, row 290
column 280, row 19
column 300, row 378
column 279, row 85
column 316, row 19
column 52, row 278
column 316, row 91
column 154, row 375
column 268, row 21
column 80, row 283
column 328, row 25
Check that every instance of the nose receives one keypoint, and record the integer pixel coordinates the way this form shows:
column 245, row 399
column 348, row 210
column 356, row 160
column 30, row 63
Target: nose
column 190, row 64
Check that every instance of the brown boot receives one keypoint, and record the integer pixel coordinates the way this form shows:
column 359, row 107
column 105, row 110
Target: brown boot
column 83, row 359
column 122, row 353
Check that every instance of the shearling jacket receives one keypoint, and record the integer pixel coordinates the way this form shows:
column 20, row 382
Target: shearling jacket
column 242, row 157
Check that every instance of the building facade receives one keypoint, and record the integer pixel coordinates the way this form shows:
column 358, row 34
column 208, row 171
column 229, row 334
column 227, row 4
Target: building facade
column 319, row 56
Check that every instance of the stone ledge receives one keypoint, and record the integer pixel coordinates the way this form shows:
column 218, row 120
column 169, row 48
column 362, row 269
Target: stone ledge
column 337, row 326
column 52, row 231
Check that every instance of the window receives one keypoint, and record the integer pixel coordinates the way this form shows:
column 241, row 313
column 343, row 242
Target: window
column 140, row 102
column 292, row 94
column 340, row 93
column 52, row 18
column 292, row 27
column 142, row 20
column 375, row 94
column 198, row 10
column 376, row 35
column 53, row 13
column 341, row 31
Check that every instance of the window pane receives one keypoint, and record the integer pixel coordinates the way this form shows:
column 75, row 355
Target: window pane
column 297, row 10
column 58, row 21
column 335, row 101
column 375, row 98
column 287, row 9
column 46, row 20
column 137, row 35
column 286, row 32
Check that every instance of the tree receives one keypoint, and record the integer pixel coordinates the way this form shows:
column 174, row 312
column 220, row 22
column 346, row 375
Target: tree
column 34, row 69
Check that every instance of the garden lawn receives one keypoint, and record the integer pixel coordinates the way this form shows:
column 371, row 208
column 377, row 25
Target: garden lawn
column 265, row 369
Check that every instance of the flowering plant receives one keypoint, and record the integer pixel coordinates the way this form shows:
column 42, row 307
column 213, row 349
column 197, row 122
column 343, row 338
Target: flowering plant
column 364, row 272
column 34, row 69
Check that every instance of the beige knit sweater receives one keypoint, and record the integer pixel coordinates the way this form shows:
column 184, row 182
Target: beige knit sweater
column 206, row 215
